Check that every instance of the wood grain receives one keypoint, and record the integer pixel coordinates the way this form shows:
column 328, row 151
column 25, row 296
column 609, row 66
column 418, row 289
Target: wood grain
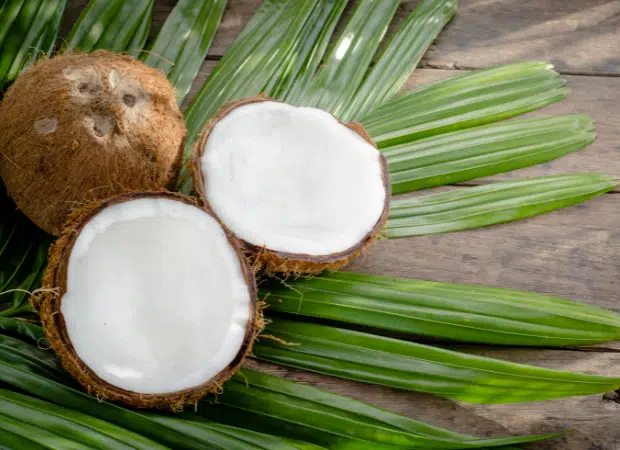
column 579, row 36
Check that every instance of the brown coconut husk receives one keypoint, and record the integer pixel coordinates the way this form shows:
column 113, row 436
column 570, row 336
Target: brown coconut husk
column 274, row 262
column 49, row 302
column 83, row 127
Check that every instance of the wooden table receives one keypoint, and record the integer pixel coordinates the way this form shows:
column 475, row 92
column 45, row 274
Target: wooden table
column 574, row 252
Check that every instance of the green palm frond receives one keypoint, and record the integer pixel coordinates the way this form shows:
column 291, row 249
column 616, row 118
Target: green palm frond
column 401, row 364
column 486, row 150
column 50, row 425
column 463, row 101
column 23, row 257
column 335, row 84
column 307, row 53
column 30, row 370
column 116, row 25
column 23, row 330
column 279, row 407
column 401, row 56
column 184, row 40
column 284, row 408
column 490, row 204
column 445, row 311
column 28, row 30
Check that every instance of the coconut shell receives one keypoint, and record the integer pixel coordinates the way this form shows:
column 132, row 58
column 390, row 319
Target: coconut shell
column 85, row 127
column 274, row 262
column 49, row 301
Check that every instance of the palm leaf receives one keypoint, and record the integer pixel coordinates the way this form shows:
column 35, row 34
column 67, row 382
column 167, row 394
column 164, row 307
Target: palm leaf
column 445, row 311
column 38, row 374
column 220, row 436
column 184, row 40
column 401, row 56
column 407, row 365
column 336, row 83
column 141, row 33
column 115, row 25
column 23, row 257
column 491, row 204
column 54, row 425
column 21, row 329
column 16, row 441
column 33, row 376
column 486, row 150
column 285, row 408
column 307, row 52
column 17, row 353
column 28, row 29
column 45, row 44
column 476, row 98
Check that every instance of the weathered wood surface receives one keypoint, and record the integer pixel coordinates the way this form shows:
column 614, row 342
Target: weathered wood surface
column 579, row 36
column 574, row 252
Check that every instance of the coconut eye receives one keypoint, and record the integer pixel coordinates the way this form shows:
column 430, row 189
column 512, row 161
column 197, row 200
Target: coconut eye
column 102, row 126
column 129, row 100
column 89, row 88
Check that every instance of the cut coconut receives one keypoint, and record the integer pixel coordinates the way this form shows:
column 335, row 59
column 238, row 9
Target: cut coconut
column 303, row 191
column 154, row 304
column 86, row 127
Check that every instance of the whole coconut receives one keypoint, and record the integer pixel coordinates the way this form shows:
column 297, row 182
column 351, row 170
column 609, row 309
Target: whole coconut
column 85, row 127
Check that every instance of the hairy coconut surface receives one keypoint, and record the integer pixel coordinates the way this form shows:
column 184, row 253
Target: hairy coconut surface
column 154, row 304
column 303, row 191
column 84, row 127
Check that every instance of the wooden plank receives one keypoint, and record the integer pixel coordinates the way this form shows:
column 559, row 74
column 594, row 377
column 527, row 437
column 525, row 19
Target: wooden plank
column 579, row 36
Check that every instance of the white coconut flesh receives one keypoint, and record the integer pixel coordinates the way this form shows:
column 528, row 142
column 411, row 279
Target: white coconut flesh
column 156, row 299
column 292, row 179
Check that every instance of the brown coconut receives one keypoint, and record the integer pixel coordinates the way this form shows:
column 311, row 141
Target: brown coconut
column 48, row 301
column 84, row 127
column 274, row 262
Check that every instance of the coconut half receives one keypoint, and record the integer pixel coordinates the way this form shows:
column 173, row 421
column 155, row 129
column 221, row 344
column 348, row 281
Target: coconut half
column 154, row 304
column 301, row 190
column 83, row 127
